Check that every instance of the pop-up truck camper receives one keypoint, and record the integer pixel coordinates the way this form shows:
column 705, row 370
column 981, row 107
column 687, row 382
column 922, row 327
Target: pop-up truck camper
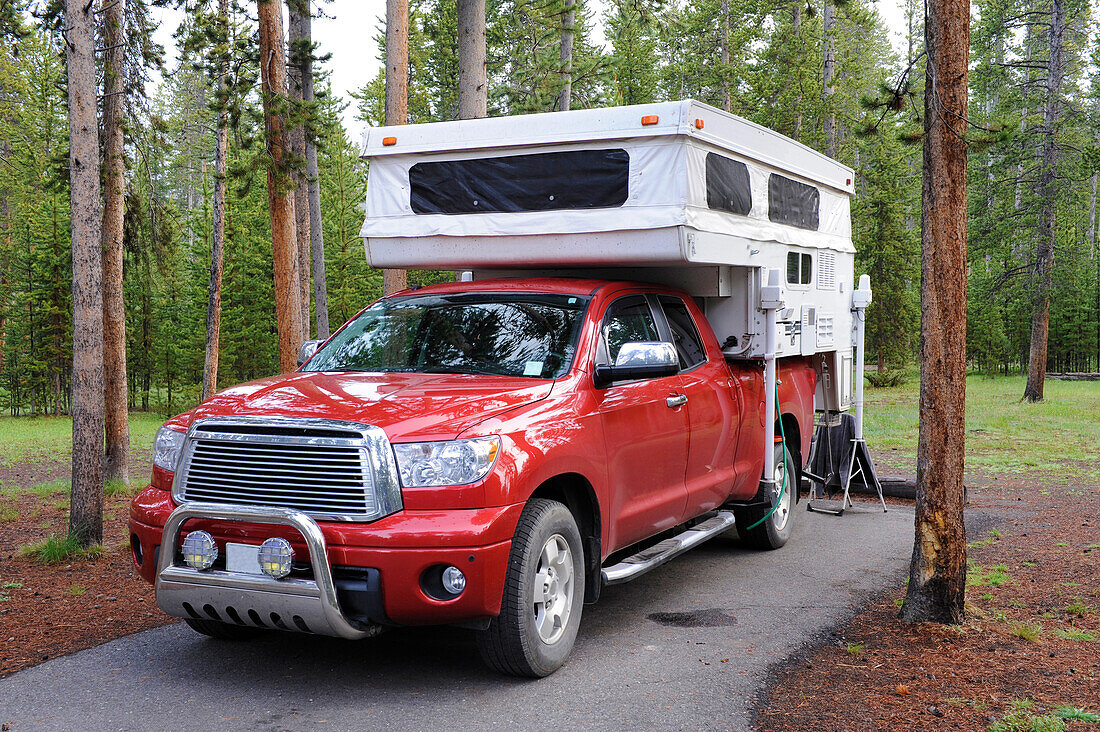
column 652, row 303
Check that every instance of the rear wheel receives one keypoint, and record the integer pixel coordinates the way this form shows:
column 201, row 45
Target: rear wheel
column 223, row 631
column 543, row 595
column 775, row 530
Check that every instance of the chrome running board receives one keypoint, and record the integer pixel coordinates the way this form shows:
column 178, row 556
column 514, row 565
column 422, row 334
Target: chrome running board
column 663, row 551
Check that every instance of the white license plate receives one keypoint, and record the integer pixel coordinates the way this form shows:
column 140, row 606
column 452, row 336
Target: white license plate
column 244, row 558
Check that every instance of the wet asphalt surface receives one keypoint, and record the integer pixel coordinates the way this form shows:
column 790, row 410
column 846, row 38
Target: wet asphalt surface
column 690, row 645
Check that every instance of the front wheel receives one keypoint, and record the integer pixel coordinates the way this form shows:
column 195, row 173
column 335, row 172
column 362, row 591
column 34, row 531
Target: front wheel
column 775, row 530
column 543, row 595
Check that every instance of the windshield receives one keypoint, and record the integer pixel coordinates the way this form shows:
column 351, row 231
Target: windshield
column 501, row 334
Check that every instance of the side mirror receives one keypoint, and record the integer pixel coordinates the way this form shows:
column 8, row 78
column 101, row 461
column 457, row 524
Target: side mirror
column 308, row 349
column 640, row 360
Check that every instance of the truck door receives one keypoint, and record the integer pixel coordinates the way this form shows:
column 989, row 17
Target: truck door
column 713, row 415
column 646, row 431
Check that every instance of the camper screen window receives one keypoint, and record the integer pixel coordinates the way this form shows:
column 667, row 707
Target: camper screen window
column 543, row 182
column 793, row 203
column 728, row 185
column 800, row 268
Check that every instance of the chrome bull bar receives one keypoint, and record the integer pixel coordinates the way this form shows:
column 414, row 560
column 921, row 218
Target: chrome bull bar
column 253, row 600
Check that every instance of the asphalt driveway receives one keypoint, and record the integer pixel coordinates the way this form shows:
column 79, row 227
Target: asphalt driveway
column 688, row 646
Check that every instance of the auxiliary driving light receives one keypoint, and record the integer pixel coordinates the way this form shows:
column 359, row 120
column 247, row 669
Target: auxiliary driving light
column 454, row 581
column 199, row 550
column 276, row 557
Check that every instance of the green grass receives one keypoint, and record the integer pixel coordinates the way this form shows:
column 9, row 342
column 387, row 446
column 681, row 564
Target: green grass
column 1077, row 715
column 1078, row 608
column 1058, row 438
column 979, row 576
column 1077, row 634
column 77, row 590
column 8, row 513
column 57, row 549
column 45, row 439
column 854, row 649
column 1021, row 718
column 1031, row 632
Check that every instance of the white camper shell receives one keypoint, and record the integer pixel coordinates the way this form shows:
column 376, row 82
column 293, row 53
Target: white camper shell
column 679, row 193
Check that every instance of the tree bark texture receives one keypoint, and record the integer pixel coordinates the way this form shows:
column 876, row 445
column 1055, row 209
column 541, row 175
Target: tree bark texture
column 937, row 574
column 828, row 28
column 117, row 463
column 473, row 86
column 86, row 209
column 288, row 309
column 313, row 182
column 565, row 96
column 724, row 51
column 298, row 147
column 397, row 99
column 1048, row 207
column 217, row 247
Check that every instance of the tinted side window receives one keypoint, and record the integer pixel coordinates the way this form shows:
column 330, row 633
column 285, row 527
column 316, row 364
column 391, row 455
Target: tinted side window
column 728, row 186
column 540, row 182
column 793, row 203
column 800, row 268
column 626, row 321
column 684, row 333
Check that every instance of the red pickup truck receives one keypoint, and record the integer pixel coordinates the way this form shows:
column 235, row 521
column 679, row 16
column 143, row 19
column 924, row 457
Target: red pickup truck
column 488, row 454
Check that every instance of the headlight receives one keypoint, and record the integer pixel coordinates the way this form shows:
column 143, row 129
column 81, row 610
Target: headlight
column 166, row 448
column 459, row 462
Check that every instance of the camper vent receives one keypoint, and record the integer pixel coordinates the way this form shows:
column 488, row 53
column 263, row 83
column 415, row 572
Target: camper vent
column 826, row 271
column 825, row 334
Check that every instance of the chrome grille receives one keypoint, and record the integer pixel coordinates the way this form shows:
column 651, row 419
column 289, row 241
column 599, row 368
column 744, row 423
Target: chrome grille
column 321, row 470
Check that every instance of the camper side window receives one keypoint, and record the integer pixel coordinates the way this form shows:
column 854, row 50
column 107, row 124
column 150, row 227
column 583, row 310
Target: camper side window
column 793, row 203
column 728, row 187
column 800, row 268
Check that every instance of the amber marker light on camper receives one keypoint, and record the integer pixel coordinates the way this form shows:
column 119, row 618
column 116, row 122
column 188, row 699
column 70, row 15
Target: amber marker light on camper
column 388, row 141
column 650, row 119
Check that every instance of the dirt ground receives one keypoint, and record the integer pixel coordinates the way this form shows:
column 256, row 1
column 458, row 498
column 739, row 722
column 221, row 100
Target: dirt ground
column 54, row 610
column 1031, row 642
column 1030, row 645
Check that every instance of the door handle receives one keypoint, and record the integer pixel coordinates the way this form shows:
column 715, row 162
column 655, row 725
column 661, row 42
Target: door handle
column 677, row 400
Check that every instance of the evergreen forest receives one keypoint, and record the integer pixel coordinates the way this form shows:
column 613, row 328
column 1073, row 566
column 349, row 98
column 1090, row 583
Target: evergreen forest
column 824, row 73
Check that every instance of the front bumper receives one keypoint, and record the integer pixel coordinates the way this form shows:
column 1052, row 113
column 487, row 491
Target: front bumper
column 386, row 558
column 309, row 606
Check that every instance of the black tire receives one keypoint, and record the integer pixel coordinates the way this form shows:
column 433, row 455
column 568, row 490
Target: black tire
column 518, row 642
column 776, row 529
column 223, row 631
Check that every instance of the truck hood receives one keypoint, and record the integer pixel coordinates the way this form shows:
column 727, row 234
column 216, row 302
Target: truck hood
column 407, row 406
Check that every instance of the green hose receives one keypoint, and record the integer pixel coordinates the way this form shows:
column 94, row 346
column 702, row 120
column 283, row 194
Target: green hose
column 783, row 485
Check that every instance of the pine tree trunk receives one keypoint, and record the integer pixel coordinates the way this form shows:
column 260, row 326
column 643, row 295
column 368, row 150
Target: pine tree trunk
column 298, row 147
column 313, row 182
column 565, row 96
column 937, row 575
column 724, row 52
column 86, row 209
column 473, row 88
column 796, row 23
column 1048, row 208
column 117, row 463
column 397, row 98
column 828, row 26
column 288, row 309
column 217, row 248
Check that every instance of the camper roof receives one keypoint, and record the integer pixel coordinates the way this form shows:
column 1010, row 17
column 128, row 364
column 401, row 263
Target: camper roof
column 689, row 118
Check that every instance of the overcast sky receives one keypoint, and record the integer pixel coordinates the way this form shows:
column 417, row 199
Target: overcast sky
column 349, row 32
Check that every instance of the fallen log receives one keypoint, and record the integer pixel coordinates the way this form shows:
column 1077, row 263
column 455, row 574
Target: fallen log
column 1075, row 376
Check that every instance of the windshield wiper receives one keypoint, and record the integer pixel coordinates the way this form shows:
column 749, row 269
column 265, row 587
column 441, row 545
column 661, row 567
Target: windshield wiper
column 461, row 370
